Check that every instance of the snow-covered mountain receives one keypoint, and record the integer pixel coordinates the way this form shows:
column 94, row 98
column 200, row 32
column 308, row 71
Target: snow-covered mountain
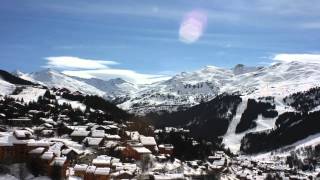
column 114, row 88
column 52, row 78
column 182, row 90
column 187, row 89
column 6, row 87
column 190, row 88
column 242, row 69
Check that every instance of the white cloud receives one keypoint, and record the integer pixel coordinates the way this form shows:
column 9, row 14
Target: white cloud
column 88, row 68
column 310, row 58
column 128, row 75
column 70, row 62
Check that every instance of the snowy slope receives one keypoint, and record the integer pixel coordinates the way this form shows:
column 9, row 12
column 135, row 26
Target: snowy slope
column 6, row 87
column 187, row 89
column 52, row 78
column 114, row 88
column 279, row 79
column 190, row 88
column 29, row 94
column 184, row 89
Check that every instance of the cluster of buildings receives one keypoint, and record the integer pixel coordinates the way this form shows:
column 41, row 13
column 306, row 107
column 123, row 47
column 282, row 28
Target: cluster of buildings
column 19, row 146
column 105, row 167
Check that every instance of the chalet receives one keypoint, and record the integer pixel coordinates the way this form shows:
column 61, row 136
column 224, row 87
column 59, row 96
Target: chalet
column 140, row 153
column 135, row 150
column 90, row 173
column 112, row 137
column 102, row 173
column 80, row 170
column 58, row 167
column 132, row 135
column 34, row 160
column 102, row 161
column 100, row 127
column 71, row 153
column 112, row 129
column 169, row 177
column 46, row 158
column 22, row 134
column 19, row 122
column 93, row 142
column 37, row 152
column 149, row 142
column 98, row 133
column 125, row 167
column 122, row 175
column 79, row 135
column 166, row 149
column 47, row 133
column 35, row 144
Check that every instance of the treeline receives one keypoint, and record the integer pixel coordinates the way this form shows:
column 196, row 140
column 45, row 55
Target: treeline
column 290, row 127
column 304, row 101
column 250, row 114
column 186, row 147
column 13, row 79
column 98, row 103
column 206, row 120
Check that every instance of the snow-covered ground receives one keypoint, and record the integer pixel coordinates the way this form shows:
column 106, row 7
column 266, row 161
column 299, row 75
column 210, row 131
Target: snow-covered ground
column 6, row 88
column 74, row 104
column 231, row 139
column 29, row 94
column 52, row 78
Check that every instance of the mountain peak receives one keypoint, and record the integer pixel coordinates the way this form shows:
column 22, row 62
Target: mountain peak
column 242, row 69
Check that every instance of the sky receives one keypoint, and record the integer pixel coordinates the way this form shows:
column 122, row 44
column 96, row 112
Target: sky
column 149, row 40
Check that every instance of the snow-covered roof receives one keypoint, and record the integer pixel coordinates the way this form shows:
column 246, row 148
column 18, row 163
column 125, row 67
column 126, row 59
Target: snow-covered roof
column 38, row 150
column 38, row 143
column 59, row 161
column 166, row 146
column 56, row 148
column 47, row 120
column 93, row 141
column 169, row 177
column 20, row 119
column 102, row 160
column 148, row 141
column 68, row 150
column 47, row 155
column 125, row 166
column 81, row 133
column 91, row 169
column 22, row 133
column 121, row 172
column 97, row 133
column 142, row 150
column 110, row 136
column 102, row 171
column 80, row 167
column 79, row 128
column 112, row 126
column 7, row 139
column 134, row 135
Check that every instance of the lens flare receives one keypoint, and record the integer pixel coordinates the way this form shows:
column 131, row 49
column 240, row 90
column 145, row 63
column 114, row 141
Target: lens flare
column 192, row 26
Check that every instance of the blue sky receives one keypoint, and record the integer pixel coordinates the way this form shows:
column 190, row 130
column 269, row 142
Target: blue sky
column 143, row 37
